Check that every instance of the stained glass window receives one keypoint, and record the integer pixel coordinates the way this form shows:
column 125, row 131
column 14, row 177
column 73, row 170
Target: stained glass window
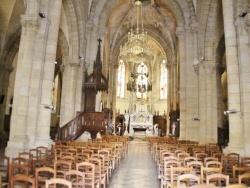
column 121, row 79
column 163, row 80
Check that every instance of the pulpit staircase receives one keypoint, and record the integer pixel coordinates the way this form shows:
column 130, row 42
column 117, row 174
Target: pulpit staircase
column 89, row 120
column 93, row 122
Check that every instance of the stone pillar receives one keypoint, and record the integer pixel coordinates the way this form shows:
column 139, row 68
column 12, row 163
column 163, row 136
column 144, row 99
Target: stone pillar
column 202, row 104
column 206, row 128
column 65, row 94
column 44, row 118
column 235, row 121
column 74, row 65
column 244, row 64
column 18, row 140
column 180, row 32
column 174, row 84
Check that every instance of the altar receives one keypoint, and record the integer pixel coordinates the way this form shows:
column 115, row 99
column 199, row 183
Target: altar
column 140, row 121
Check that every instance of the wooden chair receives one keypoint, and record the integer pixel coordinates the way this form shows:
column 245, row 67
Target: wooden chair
column 245, row 161
column 238, row 171
column 54, row 181
column 182, row 156
column 165, row 175
column 89, row 171
column 218, row 177
column 188, row 178
column 189, row 159
column 176, row 171
column 218, row 155
column 76, row 177
column 22, row 180
column 17, row 169
column 243, row 177
column 236, row 156
column 200, row 186
column 70, row 159
column 213, row 164
column 205, row 171
column 81, row 157
column 4, row 168
column 201, row 156
column 207, row 159
column 107, row 160
column 99, row 171
column 236, row 186
column 43, row 174
column 61, row 166
column 196, row 166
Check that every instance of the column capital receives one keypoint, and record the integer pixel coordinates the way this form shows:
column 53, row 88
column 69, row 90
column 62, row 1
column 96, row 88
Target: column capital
column 180, row 32
column 30, row 22
column 241, row 26
column 207, row 67
column 89, row 26
column 74, row 63
column 194, row 27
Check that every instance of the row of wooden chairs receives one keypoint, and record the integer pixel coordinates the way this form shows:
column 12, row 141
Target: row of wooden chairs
column 28, row 162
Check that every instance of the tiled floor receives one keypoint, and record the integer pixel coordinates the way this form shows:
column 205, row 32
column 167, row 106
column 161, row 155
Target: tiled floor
column 137, row 169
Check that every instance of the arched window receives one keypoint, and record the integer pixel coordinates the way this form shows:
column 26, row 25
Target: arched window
column 163, row 80
column 142, row 81
column 121, row 79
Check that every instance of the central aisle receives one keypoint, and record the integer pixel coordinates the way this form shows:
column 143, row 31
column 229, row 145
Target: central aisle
column 137, row 169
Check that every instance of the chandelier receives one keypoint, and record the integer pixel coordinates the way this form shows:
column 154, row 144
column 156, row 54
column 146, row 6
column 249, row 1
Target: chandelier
column 136, row 51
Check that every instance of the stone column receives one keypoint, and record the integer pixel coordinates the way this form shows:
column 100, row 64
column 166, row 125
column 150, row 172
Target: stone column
column 64, row 111
column 18, row 140
column 174, row 76
column 43, row 125
column 74, row 66
column 235, row 121
column 180, row 32
column 243, row 33
column 202, row 104
column 206, row 128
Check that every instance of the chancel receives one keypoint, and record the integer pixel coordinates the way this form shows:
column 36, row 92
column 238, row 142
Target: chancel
column 125, row 71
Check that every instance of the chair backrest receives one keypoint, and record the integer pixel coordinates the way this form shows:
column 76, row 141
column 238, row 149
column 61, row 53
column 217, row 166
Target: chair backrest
column 236, row 186
column 76, row 177
column 176, row 171
column 188, row 178
column 21, row 178
column 205, row 171
column 201, row 156
column 200, row 186
column 44, row 173
column 218, row 155
column 236, row 156
column 238, row 171
column 213, row 164
column 54, row 181
column 189, row 159
column 196, row 165
column 89, row 170
column 243, row 176
column 181, row 156
column 4, row 168
column 18, row 169
column 207, row 159
column 218, row 176
column 61, row 166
